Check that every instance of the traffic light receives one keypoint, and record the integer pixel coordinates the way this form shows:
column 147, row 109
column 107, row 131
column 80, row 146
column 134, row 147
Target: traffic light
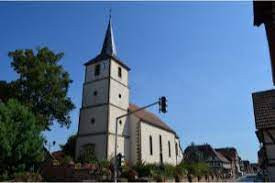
column 163, row 104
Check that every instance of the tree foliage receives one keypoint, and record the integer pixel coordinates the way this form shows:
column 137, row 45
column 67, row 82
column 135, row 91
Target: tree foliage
column 21, row 143
column 69, row 147
column 42, row 85
column 193, row 155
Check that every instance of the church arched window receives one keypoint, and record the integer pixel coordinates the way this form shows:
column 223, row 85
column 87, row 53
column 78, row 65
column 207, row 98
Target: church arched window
column 169, row 148
column 151, row 145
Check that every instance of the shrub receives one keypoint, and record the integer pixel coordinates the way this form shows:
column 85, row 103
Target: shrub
column 66, row 160
column 167, row 170
column 128, row 172
column 180, row 172
column 144, row 170
column 27, row 177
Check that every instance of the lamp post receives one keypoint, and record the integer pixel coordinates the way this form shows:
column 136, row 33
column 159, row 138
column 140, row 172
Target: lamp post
column 162, row 108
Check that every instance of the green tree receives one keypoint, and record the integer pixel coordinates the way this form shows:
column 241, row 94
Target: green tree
column 42, row 85
column 69, row 147
column 21, row 143
column 7, row 90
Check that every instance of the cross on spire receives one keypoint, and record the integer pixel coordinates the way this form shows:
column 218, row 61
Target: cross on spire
column 109, row 47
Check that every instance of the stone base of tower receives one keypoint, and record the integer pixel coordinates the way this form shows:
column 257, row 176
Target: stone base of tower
column 96, row 140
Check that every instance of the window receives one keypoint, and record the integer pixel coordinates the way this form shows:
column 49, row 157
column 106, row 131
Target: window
column 169, row 148
column 119, row 72
column 151, row 145
column 176, row 149
column 160, row 150
column 95, row 93
column 120, row 122
column 119, row 95
column 160, row 144
column 93, row 121
column 97, row 69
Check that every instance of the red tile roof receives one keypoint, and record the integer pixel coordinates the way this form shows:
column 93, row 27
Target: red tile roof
column 58, row 155
column 150, row 118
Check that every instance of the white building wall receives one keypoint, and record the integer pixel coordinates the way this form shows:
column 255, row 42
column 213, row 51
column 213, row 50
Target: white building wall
column 146, row 131
column 118, row 90
column 180, row 153
column 123, row 146
column 271, row 173
column 101, row 87
column 114, row 73
column 100, row 120
column 134, row 138
column 123, row 128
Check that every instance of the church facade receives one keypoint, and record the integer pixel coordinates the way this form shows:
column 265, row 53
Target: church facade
column 142, row 136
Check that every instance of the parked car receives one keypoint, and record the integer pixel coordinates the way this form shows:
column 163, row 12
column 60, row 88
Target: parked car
column 251, row 178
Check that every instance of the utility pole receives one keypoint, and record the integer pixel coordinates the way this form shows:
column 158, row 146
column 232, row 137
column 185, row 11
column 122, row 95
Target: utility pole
column 162, row 102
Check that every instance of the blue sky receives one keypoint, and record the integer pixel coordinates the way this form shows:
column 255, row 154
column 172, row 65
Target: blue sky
column 206, row 57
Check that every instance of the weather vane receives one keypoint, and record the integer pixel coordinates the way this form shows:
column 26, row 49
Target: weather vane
column 110, row 13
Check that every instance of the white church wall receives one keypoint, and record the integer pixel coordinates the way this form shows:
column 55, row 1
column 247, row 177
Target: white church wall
column 114, row 73
column 90, row 71
column 119, row 95
column 180, row 153
column 101, row 96
column 123, row 146
column 123, row 128
column 146, row 131
column 133, row 129
column 98, row 140
column 99, row 114
column 271, row 173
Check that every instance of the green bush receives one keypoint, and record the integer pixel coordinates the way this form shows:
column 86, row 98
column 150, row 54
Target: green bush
column 145, row 170
column 167, row 170
column 27, row 177
column 66, row 160
column 180, row 171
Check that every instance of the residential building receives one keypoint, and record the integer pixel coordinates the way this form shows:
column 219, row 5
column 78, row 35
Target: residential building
column 264, row 13
column 142, row 136
column 264, row 112
column 205, row 153
column 232, row 155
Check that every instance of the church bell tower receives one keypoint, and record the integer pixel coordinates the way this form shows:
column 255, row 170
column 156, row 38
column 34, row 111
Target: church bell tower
column 105, row 97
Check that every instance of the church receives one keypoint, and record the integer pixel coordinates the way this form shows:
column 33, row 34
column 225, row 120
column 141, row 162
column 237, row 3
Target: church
column 142, row 136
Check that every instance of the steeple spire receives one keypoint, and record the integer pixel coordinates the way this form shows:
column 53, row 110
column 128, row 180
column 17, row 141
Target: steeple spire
column 109, row 47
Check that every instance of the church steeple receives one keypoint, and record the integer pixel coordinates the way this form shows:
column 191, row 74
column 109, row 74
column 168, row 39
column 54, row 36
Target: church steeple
column 109, row 47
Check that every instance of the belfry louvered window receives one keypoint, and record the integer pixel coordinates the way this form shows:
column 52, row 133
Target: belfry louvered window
column 119, row 72
column 97, row 69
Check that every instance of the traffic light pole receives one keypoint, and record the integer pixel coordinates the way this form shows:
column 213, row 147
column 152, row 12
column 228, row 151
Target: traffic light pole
column 119, row 117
